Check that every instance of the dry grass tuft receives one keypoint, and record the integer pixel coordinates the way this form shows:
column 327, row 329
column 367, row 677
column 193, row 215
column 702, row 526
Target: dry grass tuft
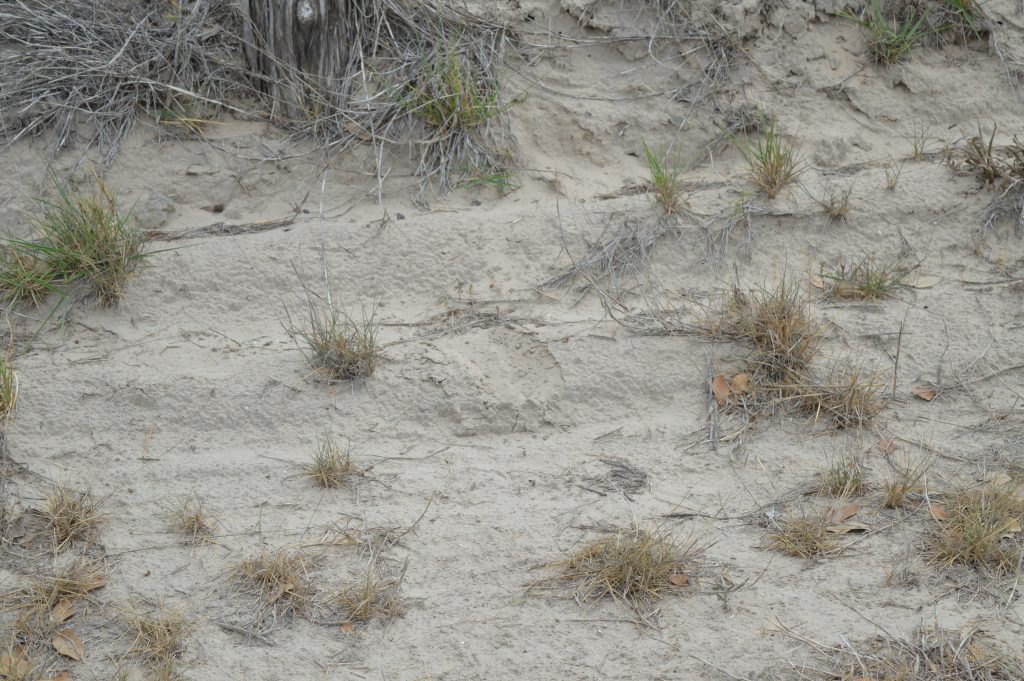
column 159, row 635
column 929, row 655
column 280, row 580
column 904, row 483
column 372, row 596
column 70, row 516
column 777, row 322
column 845, row 477
column 341, row 348
column 848, row 397
column 982, row 529
column 835, row 203
column 331, row 467
column 804, row 536
column 870, row 278
column 43, row 605
column 189, row 516
column 634, row 567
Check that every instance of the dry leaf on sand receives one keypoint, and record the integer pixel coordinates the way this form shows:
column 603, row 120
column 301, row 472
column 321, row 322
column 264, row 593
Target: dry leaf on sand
column 679, row 579
column 720, row 389
column 844, row 513
column 926, row 394
column 67, row 643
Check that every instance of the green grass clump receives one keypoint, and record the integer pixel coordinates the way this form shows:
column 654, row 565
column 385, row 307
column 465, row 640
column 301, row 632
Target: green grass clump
column 664, row 180
column 79, row 239
column 891, row 36
column 870, row 278
column 774, row 162
column 450, row 94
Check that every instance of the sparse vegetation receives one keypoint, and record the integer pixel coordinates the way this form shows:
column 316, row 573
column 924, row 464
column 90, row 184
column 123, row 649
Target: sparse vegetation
column 777, row 322
column 158, row 636
column 835, row 203
column 70, row 516
column 845, row 477
column 869, row 278
column 8, row 384
column 893, row 170
column 634, row 567
column 774, row 162
column 847, row 396
column 929, row 654
column 279, row 579
column 803, row 535
column 982, row 528
column 81, row 240
column 341, row 348
column 918, row 138
column 664, row 180
column 331, row 466
column 374, row 595
column 189, row 516
column 47, row 601
column 891, row 35
column 904, row 482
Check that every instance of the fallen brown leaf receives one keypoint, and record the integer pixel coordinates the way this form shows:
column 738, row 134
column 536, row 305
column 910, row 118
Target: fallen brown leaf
column 63, row 676
column 63, row 611
column 720, row 389
column 67, row 643
column 887, row 446
column 926, row 394
column 938, row 511
column 15, row 665
column 817, row 282
column 844, row 513
column 347, row 627
column 846, row 528
column 679, row 579
column 740, row 383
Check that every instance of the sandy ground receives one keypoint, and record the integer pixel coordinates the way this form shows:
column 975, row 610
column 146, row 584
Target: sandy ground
column 490, row 423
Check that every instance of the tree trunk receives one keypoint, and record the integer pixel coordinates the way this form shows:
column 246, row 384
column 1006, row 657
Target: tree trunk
column 300, row 51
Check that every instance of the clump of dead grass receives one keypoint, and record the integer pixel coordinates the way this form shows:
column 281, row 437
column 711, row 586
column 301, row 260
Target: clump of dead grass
column 158, row 635
column 70, row 516
column 804, row 535
column 903, row 485
column 189, row 516
column 634, row 567
column 929, row 654
column 8, row 383
column 279, row 579
column 835, row 202
column 374, row 595
column 777, row 322
column 47, row 601
column 845, row 477
column 848, row 396
column 981, row 529
column 341, row 348
column 331, row 466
